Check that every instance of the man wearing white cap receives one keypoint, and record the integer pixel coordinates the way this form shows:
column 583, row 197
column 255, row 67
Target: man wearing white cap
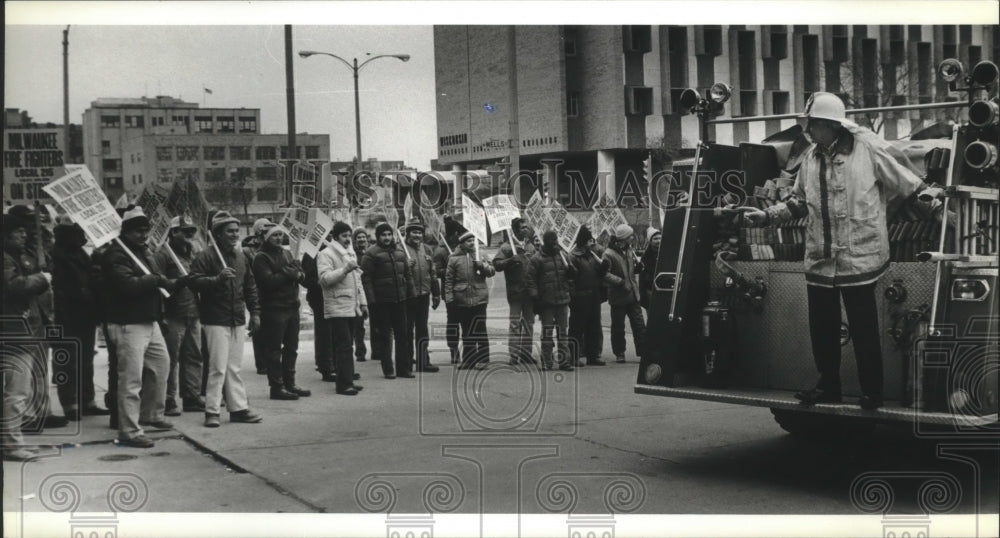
column 181, row 327
column 623, row 293
column 134, row 313
column 844, row 181
column 227, row 291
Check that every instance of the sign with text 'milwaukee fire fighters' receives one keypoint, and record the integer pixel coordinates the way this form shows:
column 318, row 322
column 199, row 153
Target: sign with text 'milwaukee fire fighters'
column 83, row 200
column 32, row 158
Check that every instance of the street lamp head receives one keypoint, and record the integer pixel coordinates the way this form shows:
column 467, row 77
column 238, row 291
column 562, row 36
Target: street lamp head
column 403, row 57
column 306, row 53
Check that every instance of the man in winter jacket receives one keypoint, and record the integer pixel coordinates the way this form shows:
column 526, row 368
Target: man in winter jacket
column 844, row 182
column 522, row 311
column 181, row 327
column 226, row 291
column 647, row 266
column 359, row 241
column 424, row 290
column 21, row 289
column 585, row 331
column 344, row 303
column 441, row 255
column 74, row 310
column 385, row 275
column 465, row 287
column 134, row 315
column 277, row 275
column 548, row 281
column 623, row 294
column 251, row 246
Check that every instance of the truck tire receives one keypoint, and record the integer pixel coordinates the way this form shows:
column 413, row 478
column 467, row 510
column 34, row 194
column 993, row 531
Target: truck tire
column 818, row 427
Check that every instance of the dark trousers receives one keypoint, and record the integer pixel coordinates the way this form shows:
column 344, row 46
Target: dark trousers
column 451, row 329
column 279, row 338
column 475, row 343
column 417, row 312
column 323, row 343
column 390, row 329
column 522, row 325
column 634, row 313
column 585, row 332
column 359, row 339
column 342, row 331
column 824, row 329
column 259, row 354
column 111, row 396
column 554, row 332
column 73, row 365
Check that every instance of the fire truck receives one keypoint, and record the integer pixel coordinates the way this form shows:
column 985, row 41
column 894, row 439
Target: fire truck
column 728, row 320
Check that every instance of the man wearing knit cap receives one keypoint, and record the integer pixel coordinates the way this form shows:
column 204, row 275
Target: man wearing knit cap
column 623, row 293
column 424, row 293
column 522, row 311
column 548, row 281
column 585, row 331
column 277, row 275
column 385, row 275
column 251, row 246
column 227, row 290
column 181, row 327
column 465, row 287
column 359, row 242
column 135, row 310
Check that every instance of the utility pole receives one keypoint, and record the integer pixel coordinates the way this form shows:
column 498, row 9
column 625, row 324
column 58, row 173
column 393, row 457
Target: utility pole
column 290, row 99
column 66, row 144
column 514, row 142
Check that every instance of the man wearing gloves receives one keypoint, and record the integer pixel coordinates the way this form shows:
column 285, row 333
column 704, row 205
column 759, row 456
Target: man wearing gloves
column 522, row 312
column 623, row 295
column 548, row 281
column 425, row 293
column 465, row 288
column 385, row 275
column 133, row 316
column 181, row 328
column 344, row 303
column 843, row 185
column 277, row 275
column 227, row 289
column 588, row 292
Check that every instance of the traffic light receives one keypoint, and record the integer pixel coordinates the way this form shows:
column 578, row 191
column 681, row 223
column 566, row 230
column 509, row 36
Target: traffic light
column 976, row 159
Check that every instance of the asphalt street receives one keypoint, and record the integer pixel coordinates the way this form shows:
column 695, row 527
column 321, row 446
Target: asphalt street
column 505, row 440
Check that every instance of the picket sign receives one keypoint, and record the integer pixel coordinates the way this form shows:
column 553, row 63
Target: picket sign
column 445, row 243
column 217, row 251
column 177, row 261
column 513, row 242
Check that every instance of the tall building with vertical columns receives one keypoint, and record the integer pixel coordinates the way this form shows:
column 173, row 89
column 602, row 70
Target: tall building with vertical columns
column 593, row 99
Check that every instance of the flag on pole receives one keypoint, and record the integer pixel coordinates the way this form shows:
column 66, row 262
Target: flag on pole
column 208, row 91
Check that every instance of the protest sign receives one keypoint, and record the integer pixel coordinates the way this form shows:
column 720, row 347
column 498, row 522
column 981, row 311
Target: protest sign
column 83, row 200
column 318, row 226
column 32, row 158
column 605, row 218
column 295, row 221
column 408, row 209
column 565, row 225
column 500, row 211
column 474, row 219
column 342, row 214
column 534, row 213
column 433, row 223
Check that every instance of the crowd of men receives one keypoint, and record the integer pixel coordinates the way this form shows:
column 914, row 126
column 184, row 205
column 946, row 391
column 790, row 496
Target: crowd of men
column 175, row 320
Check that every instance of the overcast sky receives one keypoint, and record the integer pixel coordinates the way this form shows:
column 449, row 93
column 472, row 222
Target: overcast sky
column 243, row 66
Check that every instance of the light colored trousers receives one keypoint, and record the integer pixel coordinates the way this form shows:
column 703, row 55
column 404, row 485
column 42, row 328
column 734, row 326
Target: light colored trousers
column 225, row 356
column 143, row 367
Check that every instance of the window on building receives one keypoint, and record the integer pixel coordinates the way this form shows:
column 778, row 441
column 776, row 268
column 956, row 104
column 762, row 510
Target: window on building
column 572, row 104
column 267, row 173
column 164, row 153
column 299, row 150
column 157, row 121
column 135, row 122
column 185, row 174
column 215, row 174
column 111, row 165
column 203, row 124
column 779, row 103
column 248, row 124
column 131, row 158
column 187, row 153
column 105, row 147
column 178, row 120
column 748, row 103
column 241, row 174
column 239, row 153
column 266, row 153
column 164, row 175
column 677, row 43
column 746, row 47
column 267, row 194
column 312, row 152
column 215, row 153
column 226, row 125
column 810, row 63
column 140, row 178
column 110, row 121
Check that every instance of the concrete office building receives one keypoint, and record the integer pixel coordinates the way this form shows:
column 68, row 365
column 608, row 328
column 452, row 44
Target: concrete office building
column 109, row 122
column 230, row 167
column 596, row 97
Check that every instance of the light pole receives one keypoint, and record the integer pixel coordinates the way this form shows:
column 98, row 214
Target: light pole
column 355, row 68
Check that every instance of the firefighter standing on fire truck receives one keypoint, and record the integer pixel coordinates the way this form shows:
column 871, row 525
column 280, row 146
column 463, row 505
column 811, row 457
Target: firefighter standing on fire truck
column 844, row 182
